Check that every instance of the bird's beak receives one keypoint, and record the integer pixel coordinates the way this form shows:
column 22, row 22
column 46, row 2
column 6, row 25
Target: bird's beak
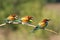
column 48, row 19
column 31, row 18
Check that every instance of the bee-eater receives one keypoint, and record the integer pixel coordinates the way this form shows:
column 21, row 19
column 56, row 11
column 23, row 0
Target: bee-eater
column 11, row 18
column 42, row 25
column 27, row 20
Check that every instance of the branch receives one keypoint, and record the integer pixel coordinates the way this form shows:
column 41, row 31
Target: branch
column 30, row 25
column 3, row 24
column 51, row 31
column 9, row 23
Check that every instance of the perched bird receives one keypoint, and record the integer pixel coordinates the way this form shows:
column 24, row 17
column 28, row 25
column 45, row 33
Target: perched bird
column 26, row 19
column 11, row 18
column 41, row 25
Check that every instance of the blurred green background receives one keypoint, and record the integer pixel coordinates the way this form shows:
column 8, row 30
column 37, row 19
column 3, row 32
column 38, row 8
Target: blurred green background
column 39, row 9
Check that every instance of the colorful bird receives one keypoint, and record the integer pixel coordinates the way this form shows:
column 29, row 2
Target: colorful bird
column 11, row 18
column 27, row 19
column 42, row 25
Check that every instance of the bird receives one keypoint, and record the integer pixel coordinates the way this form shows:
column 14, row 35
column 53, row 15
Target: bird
column 42, row 25
column 26, row 19
column 11, row 18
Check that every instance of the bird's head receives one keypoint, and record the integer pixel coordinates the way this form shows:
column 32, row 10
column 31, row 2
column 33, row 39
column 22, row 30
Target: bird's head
column 15, row 16
column 29, row 17
column 46, row 20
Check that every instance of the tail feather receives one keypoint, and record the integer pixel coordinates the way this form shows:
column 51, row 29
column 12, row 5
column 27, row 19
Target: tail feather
column 36, row 28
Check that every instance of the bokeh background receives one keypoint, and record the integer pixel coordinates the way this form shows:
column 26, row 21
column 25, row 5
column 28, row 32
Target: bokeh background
column 39, row 9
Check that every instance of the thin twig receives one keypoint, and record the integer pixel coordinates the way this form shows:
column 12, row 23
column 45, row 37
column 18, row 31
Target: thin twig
column 30, row 25
column 51, row 31
column 3, row 24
